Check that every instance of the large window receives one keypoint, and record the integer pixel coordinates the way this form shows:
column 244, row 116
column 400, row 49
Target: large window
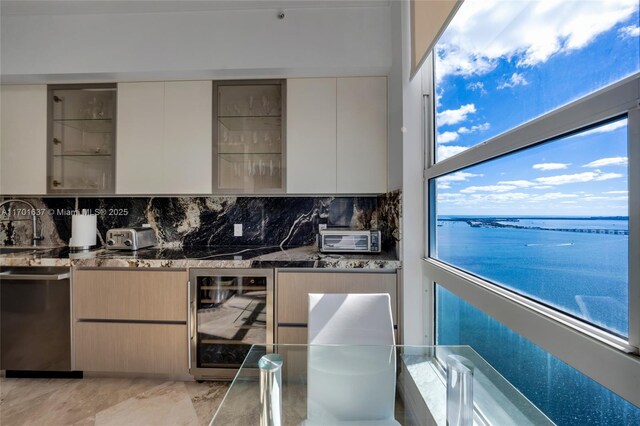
column 502, row 63
column 532, row 177
column 561, row 392
column 549, row 222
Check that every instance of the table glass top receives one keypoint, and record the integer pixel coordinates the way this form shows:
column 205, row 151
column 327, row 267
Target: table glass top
column 328, row 384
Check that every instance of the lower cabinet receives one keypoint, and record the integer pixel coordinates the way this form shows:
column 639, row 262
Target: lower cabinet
column 292, row 296
column 292, row 335
column 130, row 321
column 131, row 348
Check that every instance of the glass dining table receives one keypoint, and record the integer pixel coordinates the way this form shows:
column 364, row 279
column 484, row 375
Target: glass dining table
column 370, row 385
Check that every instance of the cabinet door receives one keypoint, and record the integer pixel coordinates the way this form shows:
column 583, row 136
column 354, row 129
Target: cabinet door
column 130, row 295
column 140, row 135
column 187, row 158
column 23, row 139
column 311, row 135
column 293, row 290
column 362, row 135
column 292, row 335
column 131, row 348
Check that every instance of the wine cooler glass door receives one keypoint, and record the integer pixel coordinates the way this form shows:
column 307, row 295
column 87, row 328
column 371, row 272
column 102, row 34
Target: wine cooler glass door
column 231, row 314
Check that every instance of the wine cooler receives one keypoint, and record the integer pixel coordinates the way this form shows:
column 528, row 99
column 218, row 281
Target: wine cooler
column 230, row 310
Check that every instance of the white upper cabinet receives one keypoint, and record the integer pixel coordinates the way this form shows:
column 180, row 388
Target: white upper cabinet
column 140, row 138
column 23, row 139
column 187, row 137
column 362, row 135
column 311, row 135
column 164, row 138
column 337, row 135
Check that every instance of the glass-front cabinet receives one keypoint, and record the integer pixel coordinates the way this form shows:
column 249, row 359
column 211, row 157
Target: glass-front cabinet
column 81, row 138
column 249, row 143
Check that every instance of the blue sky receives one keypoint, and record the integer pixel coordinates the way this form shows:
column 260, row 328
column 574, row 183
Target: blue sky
column 502, row 63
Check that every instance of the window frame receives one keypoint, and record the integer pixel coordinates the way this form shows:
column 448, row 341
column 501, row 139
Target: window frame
column 608, row 359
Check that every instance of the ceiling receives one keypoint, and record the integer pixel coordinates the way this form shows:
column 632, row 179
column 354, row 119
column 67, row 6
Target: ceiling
column 89, row 7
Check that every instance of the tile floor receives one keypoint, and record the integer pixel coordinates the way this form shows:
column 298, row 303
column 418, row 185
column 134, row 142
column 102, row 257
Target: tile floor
column 108, row 401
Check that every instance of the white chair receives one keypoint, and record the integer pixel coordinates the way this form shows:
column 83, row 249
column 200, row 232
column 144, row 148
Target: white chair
column 351, row 319
column 348, row 385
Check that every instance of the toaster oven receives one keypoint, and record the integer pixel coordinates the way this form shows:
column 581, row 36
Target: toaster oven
column 130, row 238
column 349, row 241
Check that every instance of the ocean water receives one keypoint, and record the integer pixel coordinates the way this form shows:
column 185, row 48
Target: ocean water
column 584, row 274
column 566, row 396
column 581, row 273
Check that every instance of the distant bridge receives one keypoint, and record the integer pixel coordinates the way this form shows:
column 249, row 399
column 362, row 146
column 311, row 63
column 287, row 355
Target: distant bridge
column 588, row 230
column 492, row 224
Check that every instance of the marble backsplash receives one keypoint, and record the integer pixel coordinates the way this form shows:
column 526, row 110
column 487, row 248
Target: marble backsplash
column 208, row 221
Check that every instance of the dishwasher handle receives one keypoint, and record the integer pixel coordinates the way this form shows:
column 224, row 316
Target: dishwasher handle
column 32, row 277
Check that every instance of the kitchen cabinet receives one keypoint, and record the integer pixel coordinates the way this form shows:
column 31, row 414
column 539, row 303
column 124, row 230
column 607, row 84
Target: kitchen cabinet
column 292, row 296
column 132, row 321
column 249, row 147
column 130, row 295
column 80, row 142
column 311, row 136
column 23, row 139
column 164, row 138
column 131, row 348
column 337, row 135
column 361, row 130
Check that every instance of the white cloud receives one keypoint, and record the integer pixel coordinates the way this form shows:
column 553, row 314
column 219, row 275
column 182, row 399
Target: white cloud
column 629, row 31
column 509, row 196
column 445, row 151
column 542, row 187
column 450, row 197
column 527, row 32
column 601, row 198
column 444, row 182
column 452, row 136
column 454, row 116
column 518, row 183
column 611, row 161
column 516, row 79
column 596, row 175
column 616, row 192
column 488, row 188
column 604, row 129
column 551, row 166
column 477, row 128
column 447, row 137
column 458, row 177
column 477, row 86
column 553, row 196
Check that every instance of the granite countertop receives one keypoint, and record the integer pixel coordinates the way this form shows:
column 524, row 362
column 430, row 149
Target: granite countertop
column 208, row 257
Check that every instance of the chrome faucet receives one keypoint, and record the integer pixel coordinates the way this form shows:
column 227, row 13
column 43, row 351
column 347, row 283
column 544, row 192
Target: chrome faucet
column 34, row 219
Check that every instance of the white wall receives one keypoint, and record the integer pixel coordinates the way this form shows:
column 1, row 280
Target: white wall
column 330, row 41
column 414, row 314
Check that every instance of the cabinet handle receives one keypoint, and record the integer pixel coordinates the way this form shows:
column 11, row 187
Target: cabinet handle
column 56, row 141
column 189, row 321
column 57, row 99
column 56, row 183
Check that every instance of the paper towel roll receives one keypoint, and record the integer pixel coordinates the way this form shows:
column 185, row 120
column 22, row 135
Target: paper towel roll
column 83, row 230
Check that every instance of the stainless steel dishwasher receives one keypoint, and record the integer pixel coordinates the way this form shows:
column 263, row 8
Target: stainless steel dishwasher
column 35, row 322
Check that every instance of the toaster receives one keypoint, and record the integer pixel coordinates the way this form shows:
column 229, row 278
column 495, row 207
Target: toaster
column 349, row 241
column 130, row 238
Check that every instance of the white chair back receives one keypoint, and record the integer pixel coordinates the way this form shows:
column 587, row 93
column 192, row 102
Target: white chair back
column 347, row 385
column 352, row 319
